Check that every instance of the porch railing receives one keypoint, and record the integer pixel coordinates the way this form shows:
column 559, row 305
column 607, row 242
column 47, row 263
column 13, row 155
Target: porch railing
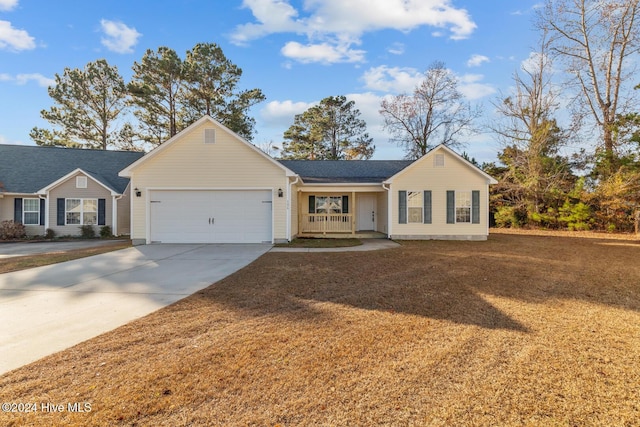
column 327, row 223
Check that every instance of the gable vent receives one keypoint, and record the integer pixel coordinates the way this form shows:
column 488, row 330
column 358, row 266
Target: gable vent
column 438, row 160
column 209, row 136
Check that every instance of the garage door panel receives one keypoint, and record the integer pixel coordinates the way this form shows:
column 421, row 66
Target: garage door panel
column 181, row 216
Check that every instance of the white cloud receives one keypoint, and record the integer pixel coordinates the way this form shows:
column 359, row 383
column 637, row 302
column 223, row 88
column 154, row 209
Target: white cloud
column 477, row 60
column 322, row 52
column 8, row 4
column 472, row 88
column 281, row 113
column 43, row 81
column 23, row 79
column 532, row 63
column 328, row 23
column 14, row 39
column 119, row 38
column 392, row 79
column 396, row 49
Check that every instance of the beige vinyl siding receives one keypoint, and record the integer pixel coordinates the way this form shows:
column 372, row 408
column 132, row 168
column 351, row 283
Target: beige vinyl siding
column 294, row 210
column 190, row 163
column 68, row 190
column 124, row 213
column 455, row 175
column 7, row 206
column 381, row 225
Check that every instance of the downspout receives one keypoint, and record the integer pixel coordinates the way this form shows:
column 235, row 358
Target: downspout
column 291, row 184
column 389, row 217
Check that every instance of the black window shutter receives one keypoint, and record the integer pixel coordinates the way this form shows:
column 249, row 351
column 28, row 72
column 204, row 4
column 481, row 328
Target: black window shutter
column 427, row 206
column 345, row 204
column 102, row 206
column 60, row 212
column 41, row 211
column 475, row 207
column 312, row 204
column 17, row 210
column 402, row 207
column 451, row 207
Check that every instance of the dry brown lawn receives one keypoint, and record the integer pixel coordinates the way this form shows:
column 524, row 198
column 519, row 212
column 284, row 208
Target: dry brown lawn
column 519, row 330
column 30, row 261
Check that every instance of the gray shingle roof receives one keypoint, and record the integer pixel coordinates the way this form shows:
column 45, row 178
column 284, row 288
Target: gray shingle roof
column 345, row 171
column 28, row 168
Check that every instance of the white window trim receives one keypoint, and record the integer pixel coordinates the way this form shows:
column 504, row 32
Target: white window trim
column 82, row 211
column 470, row 207
column 25, row 211
column 421, row 194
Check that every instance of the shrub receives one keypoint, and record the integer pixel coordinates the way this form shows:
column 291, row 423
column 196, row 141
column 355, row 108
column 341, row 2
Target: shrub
column 105, row 232
column 87, row 232
column 10, row 230
column 508, row 216
column 49, row 234
column 576, row 216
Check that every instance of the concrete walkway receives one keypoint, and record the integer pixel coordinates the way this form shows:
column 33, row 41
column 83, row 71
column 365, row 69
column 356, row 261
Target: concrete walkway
column 367, row 245
column 47, row 309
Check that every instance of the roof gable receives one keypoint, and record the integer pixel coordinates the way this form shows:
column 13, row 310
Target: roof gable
column 429, row 157
column 126, row 172
column 28, row 168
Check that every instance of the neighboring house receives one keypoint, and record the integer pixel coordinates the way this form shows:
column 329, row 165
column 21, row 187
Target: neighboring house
column 208, row 185
column 64, row 188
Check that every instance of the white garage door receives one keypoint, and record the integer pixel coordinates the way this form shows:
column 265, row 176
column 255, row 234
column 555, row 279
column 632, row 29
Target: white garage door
column 179, row 216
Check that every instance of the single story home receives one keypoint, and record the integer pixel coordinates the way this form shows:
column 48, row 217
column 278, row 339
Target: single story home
column 64, row 188
column 208, row 185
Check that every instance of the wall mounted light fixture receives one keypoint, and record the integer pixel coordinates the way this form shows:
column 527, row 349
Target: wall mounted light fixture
column 280, row 193
column 138, row 192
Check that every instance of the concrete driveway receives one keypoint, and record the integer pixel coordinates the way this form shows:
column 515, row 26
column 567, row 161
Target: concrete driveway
column 14, row 249
column 47, row 309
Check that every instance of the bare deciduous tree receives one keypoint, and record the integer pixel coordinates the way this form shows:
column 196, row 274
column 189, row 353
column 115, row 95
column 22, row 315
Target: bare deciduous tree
column 596, row 41
column 436, row 113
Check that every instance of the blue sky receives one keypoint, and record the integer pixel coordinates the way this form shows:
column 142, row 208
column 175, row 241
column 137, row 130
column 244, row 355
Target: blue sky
column 296, row 52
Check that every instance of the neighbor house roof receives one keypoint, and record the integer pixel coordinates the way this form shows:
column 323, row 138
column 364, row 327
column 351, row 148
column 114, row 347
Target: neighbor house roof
column 343, row 171
column 28, row 169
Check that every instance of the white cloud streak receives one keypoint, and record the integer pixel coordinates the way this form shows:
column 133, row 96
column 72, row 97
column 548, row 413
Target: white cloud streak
column 14, row 39
column 119, row 37
column 23, row 79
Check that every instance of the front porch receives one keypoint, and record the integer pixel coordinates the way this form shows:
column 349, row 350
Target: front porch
column 341, row 214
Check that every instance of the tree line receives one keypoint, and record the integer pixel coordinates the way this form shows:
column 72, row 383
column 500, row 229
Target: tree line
column 165, row 95
column 576, row 90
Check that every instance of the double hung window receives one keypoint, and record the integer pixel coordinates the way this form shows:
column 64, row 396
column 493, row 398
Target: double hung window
column 81, row 211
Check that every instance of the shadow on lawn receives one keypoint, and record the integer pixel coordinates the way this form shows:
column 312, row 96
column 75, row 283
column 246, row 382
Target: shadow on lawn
column 440, row 280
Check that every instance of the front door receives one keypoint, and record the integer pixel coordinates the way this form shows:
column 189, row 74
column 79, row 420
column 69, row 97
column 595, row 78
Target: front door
column 366, row 212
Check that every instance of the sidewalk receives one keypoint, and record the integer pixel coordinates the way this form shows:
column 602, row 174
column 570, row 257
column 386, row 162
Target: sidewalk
column 367, row 245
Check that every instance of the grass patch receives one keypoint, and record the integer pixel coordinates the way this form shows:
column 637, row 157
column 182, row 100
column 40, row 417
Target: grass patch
column 320, row 243
column 518, row 330
column 30, row 261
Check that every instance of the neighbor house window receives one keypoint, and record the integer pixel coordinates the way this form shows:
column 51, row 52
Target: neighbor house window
column 81, row 182
column 415, row 206
column 31, row 211
column 463, row 206
column 81, row 211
